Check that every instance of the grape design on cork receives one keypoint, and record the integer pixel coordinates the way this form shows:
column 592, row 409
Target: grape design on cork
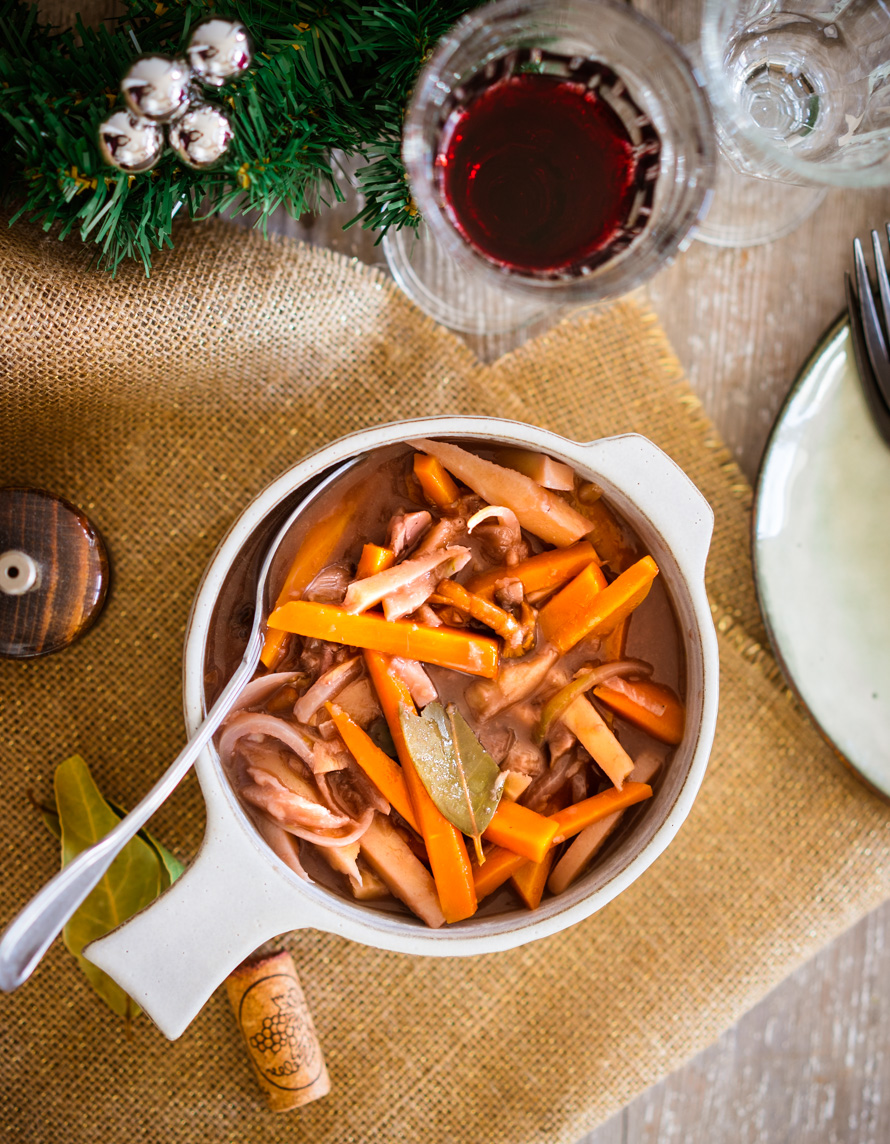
column 284, row 1031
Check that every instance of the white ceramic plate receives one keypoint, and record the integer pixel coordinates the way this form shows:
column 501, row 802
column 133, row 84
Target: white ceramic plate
column 822, row 556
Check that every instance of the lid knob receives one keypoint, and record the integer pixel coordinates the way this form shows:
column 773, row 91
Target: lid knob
column 19, row 572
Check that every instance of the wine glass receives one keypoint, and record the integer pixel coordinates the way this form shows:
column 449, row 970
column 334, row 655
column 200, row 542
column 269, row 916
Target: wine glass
column 560, row 152
column 801, row 97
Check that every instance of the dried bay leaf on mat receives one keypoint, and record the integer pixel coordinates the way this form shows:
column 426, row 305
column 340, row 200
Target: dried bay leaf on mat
column 134, row 879
column 460, row 776
column 50, row 818
column 171, row 867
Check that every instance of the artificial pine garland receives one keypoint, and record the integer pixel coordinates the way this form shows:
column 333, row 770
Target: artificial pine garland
column 325, row 77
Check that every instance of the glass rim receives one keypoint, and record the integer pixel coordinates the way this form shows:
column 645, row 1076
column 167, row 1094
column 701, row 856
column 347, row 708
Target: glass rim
column 736, row 124
column 616, row 276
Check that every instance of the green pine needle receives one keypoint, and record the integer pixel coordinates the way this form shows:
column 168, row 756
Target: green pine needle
column 324, row 78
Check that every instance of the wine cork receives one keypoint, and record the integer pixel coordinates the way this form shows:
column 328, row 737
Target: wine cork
column 278, row 1031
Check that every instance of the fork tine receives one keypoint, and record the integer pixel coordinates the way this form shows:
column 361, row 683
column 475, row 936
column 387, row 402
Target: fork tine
column 871, row 326
column 883, row 282
column 877, row 407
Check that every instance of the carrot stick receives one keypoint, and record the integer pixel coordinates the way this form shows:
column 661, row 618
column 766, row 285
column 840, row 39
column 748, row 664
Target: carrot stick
column 588, row 841
column 542, row 512
column 444, row 842
column 378, row 766
column 588, row 606
column 446, row 647
column 591, row 731
column 574, row 818
column 499, row 865
column 315, row 550
column 564, row 615
column 544, row 572
column 374, row 559
column 650, row 706
column 530, row 880
column 391, row 692
column 438, row 488
column 521, row 830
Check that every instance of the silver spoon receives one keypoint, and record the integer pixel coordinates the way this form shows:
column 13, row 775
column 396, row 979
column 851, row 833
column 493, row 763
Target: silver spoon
column 28, row 936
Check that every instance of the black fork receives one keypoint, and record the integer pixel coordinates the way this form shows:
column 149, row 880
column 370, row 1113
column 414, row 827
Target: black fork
column 870, row 331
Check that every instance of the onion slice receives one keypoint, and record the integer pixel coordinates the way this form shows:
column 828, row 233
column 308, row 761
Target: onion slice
column 259, row 689
column 506, row 516
column 293, row 803
column 256, row 723
column 405, row 586
column 272, row 797
column 415, row 679
column 326, row 687
column 584, row 680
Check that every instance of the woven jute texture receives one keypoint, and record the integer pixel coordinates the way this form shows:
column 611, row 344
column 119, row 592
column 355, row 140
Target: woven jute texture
column 161, row 407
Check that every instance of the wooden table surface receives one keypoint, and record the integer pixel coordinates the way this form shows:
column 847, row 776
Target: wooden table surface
column 808, row 1065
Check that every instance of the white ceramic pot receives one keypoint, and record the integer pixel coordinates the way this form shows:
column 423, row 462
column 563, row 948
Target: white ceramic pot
column 238, row 894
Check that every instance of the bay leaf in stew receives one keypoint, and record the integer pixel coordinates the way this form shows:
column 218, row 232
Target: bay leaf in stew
column 461, row 777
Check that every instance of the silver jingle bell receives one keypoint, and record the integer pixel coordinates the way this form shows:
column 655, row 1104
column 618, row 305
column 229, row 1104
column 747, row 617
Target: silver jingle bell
column 219, row 51
column 130, row 144
column 156, row 87
column 201, row 137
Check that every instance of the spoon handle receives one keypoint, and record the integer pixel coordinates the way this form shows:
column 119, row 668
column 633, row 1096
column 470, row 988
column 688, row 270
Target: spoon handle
column 28, row 936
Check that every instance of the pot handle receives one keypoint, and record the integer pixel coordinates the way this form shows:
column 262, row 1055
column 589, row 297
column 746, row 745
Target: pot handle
column 172, row 955
column 639, row 470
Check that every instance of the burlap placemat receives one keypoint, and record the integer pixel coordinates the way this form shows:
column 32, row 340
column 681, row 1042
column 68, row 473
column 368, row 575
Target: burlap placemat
column 160, row 407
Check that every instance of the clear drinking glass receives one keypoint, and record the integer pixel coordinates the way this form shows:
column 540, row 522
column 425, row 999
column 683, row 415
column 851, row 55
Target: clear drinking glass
column 518, row 226
column 801, row 96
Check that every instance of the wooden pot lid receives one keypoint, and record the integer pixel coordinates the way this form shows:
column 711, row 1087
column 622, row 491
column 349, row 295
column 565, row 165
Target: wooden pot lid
column 53, row 573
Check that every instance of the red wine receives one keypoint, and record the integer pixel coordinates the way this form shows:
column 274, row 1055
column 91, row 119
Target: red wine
column 541, row 174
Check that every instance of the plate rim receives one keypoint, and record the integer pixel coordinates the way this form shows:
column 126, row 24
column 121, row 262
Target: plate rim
column 821, row 347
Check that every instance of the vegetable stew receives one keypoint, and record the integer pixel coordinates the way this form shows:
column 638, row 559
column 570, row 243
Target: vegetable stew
column 471, row 675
